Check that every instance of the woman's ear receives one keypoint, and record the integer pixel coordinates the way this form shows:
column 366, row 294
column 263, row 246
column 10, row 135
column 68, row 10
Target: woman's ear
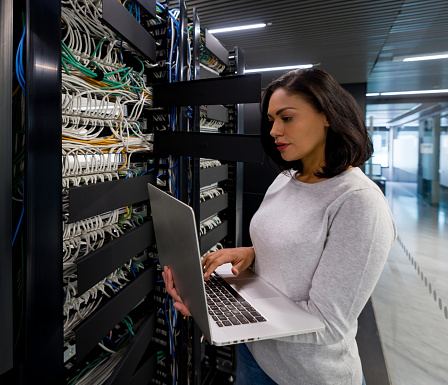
column 326, row 124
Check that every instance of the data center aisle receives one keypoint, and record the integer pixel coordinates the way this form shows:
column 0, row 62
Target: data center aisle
column 411, row 298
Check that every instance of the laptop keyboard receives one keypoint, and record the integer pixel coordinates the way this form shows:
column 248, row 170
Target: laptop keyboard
column 226, row 306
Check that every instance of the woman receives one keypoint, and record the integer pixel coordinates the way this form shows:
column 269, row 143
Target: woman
column 321, row 235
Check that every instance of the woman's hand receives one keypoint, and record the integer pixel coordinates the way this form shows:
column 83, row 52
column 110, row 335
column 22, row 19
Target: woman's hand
column 171, row 290
column 240, row 258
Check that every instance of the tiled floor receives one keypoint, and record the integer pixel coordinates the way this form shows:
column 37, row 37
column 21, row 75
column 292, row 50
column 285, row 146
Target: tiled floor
column 411, row 298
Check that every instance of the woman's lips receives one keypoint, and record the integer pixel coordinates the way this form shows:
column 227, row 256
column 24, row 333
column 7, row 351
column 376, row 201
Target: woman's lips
column 281, row 146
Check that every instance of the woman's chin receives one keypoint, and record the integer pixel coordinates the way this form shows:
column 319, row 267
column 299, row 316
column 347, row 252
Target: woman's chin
column 289, row 158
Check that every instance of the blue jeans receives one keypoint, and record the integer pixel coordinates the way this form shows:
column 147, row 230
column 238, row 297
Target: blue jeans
column 248, row 372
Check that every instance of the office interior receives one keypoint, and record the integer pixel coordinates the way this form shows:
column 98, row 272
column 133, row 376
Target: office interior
column 136, row 86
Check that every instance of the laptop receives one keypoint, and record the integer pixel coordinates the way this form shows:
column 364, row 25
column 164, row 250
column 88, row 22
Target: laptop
column 273, row 314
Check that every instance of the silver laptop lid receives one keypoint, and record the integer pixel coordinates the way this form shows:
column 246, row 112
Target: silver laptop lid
column 178, row 248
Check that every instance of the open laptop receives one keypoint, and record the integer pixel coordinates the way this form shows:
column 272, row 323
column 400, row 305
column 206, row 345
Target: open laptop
column 178, row 248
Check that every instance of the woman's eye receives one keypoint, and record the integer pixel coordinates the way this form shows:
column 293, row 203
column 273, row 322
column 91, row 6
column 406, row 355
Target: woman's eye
column 286, row 118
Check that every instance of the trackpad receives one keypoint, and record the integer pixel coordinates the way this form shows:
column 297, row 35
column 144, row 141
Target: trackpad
column 256, row 289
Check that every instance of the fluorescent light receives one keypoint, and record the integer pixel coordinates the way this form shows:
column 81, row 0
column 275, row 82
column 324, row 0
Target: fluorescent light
column 239, row 28
column 297, row 66
column 396, row 93
column 421, row 92
column 426, row 57
column 429, row 56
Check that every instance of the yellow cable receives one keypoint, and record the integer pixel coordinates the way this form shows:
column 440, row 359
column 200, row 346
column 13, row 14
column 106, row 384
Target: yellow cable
column 125, row 161
column 16, row 90
column 100, row 141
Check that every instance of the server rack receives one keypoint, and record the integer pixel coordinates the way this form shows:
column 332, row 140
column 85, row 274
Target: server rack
column 41, row 344
column 197, row 145
column 40, row 350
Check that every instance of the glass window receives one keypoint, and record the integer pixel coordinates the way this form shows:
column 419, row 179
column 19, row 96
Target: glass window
column 380, row 141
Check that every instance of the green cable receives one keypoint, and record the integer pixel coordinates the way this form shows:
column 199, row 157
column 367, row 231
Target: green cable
column 15, row 163
column 118, row 85
column 97, row 66
column 121, row 69
column 79, row 66
column 71, row 59
column 143, row 66
column 124, row 343
column 127, row 216
column 98, row 46
column 17, row 181
column 129, row 325
column 67, row 50
column 93, row 363
column 139, row 77
column 20, row 155
column 65, row 67
column 126, row 74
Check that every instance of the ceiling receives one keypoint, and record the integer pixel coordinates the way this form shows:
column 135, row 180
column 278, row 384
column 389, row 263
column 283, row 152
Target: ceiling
column 354, row 40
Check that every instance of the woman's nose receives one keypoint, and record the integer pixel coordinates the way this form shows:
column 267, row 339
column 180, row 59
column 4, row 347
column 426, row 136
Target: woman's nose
column 275, row 130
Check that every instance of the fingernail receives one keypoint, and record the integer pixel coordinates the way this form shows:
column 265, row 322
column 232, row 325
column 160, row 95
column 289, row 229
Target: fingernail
column 176, row 305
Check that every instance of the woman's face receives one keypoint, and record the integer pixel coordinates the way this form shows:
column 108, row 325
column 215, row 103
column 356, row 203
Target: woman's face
column 298, row 129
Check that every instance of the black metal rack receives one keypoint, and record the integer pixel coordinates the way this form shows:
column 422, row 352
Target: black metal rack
column 6, row 299
column 41, row 360
column 121, row 21
column 43, row 197
column 230, row 147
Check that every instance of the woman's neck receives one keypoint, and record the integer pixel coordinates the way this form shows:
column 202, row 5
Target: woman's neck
column 309, row 171
column 310, row 177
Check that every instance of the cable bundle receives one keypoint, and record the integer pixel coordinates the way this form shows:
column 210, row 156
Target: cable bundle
column 207, row 59
column 210, row 193
column 206, row 163
column 98, row 371
column 102, row 97
column 217, row 247
column 210, row 125
column 77, row 307
column 209, row 224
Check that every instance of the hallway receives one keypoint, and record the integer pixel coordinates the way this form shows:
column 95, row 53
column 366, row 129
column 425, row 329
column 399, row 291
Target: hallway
column 411, row 298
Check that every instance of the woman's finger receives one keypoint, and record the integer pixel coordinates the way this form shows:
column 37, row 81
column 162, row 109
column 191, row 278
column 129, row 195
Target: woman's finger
column 169, row 284
column 171, row 290
column 182, row 308
column 212, row 265
column 210, row 256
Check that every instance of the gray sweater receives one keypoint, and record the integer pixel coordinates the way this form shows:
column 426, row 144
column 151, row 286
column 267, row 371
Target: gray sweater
column 324, row 245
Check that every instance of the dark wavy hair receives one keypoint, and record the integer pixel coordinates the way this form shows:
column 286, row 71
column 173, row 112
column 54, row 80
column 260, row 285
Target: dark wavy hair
column 348, row 142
